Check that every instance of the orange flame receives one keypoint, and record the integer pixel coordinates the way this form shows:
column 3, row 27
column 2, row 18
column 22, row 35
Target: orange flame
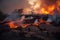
column 12, row 25
column 35, row 4
column 58, row 5
column 36, row 7
column 44, row 11
column 47, row 10
column 27, row 10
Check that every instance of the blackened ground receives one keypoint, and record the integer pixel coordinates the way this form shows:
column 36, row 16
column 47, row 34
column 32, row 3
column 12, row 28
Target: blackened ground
column 42, row 32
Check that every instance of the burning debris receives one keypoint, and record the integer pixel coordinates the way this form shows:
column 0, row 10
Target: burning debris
column 15, row 20
column 40, row 11
column 39, row 20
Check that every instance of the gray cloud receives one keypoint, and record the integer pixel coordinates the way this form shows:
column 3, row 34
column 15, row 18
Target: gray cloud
column 10, row 5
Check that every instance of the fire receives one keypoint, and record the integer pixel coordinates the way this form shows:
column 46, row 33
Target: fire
column 24, row 25
column 47, row 10
column 58, row 5
column 44, row 11
column 12, row 25
column 35, row 4
column 32, row 2
column 38, row 7
column 51, row 8
column 44, row 6
column 27, row 10
column 17, row 23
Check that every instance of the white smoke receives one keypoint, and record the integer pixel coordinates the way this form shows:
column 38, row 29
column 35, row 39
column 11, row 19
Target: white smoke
column 13, row 16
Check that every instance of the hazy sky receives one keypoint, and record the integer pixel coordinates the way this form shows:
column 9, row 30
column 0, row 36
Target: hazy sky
column 9, row 5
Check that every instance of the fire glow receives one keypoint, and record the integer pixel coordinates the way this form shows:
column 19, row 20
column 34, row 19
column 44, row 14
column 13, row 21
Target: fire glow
column 38, row 7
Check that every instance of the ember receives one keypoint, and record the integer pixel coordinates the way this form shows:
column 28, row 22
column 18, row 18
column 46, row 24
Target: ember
column 39, row 19
column 28, row 15
column 12, row 25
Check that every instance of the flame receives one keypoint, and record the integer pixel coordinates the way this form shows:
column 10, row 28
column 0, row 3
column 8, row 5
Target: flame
column 32, row 2
column 27, row 10
column 35, row 4
column 58, row 5
column 44, row 11
column 18, row 23
column 38, row 7
column 51, row 8
column 47, row 10
column 24, row 25
column 12, row 25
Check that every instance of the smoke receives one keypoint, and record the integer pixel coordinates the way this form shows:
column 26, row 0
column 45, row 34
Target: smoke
column 49, row 2
column 7, row 6
column 15, row 15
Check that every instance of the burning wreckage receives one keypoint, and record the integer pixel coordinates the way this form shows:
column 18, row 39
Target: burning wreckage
column 18, row 19
column 38, row 12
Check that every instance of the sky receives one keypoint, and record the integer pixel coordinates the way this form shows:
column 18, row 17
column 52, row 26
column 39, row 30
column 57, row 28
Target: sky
column 9, row 5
